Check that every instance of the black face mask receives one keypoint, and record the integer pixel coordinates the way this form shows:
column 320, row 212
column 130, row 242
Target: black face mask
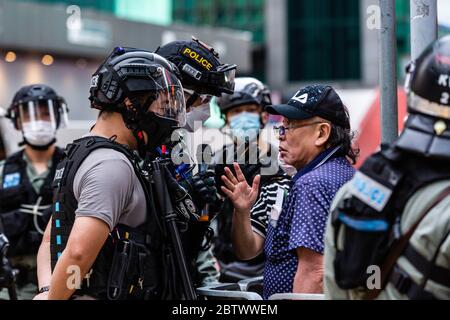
column 158, row 130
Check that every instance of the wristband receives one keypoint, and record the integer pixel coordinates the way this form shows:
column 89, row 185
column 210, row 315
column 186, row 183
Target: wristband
column 44, row 289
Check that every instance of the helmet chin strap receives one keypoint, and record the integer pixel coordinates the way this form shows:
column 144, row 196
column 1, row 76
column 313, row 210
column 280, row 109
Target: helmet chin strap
column 141, row 145
column 130, row 117
column 35, row 147
column 138, row 121
column 191, row 100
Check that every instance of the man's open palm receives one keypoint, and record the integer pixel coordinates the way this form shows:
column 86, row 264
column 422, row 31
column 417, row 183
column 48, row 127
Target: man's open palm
column 237, row 189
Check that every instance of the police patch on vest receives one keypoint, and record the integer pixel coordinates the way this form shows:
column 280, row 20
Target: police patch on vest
column 94, row 81
column 11, row 180
column 188, row 52
column 369, row 191
column 59, row 174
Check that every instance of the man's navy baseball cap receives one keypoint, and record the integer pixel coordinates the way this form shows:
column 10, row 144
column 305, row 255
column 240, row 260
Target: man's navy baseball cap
column 314, row 101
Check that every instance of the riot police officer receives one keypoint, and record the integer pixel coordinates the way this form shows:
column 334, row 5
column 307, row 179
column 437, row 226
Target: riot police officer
column 105, row 227
column 25, row 191
column 203, row 77
column 388, row 234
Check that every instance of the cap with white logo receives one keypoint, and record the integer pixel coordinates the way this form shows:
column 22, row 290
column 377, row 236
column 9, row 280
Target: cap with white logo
column 314, row 101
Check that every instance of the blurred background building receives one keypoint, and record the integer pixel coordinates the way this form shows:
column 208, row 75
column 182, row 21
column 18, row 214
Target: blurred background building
column 286, row 43
column 60, row 43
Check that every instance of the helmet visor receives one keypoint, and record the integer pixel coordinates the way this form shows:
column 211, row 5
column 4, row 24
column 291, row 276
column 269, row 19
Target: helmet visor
column 225, row 76
column 170, row 103
column 36, row 111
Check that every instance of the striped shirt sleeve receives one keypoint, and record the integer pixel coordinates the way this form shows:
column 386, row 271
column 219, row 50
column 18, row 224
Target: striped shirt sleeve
column 261, row 209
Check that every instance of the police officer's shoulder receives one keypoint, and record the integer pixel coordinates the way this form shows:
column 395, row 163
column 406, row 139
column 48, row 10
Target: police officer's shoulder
column 3, row 162
column 105, row 155
column 422, row 199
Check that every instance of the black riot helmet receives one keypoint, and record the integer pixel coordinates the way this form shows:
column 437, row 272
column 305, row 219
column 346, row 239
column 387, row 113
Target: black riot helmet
column 427, row 130
column 200, row 68
column 428, row 81
column 247, row 91
column 38, row 111
column 151, row 84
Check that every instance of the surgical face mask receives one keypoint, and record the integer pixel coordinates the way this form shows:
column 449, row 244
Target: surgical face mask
column 245, row 125
column 38, row 133
column 197, row 116
column 288, row 169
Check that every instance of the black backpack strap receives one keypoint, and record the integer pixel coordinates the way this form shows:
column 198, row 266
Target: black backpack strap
column 405, row 285
column 46, row 190
column 436, row 273
column 428, row 268
column 399, row 246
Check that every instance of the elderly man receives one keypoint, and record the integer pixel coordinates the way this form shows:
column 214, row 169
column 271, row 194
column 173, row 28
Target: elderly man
column 315, row 138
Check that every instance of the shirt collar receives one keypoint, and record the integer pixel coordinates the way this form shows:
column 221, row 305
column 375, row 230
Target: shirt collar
column 32, row 174
column 319, row 160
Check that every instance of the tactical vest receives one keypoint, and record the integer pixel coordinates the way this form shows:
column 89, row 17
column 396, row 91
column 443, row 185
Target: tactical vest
column 371, row 219
column 16, row 190
column 128, row 265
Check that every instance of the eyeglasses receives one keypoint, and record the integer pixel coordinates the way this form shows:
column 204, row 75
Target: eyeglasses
column 280, row 131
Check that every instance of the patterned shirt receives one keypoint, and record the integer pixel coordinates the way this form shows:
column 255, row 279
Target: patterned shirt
column 302, row 220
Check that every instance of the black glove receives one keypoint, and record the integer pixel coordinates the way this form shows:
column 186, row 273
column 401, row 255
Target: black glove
column 202, row 188
column 181, row 199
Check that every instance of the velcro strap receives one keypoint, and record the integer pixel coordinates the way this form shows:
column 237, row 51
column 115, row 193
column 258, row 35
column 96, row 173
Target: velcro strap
column 435, row 273
column 405, row 285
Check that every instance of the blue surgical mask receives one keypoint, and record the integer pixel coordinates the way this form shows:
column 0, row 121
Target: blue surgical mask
column 245, row 125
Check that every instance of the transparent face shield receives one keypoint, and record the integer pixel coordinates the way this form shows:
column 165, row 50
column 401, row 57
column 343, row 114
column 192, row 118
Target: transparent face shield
column 170, row 103
column 34, row 113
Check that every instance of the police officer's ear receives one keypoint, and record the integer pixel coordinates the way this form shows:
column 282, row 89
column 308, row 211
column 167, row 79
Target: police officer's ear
column 226, row 117
column 5, row 114
column 144, row 100
column 264, row 118
column 127, row 103
column 323, row 133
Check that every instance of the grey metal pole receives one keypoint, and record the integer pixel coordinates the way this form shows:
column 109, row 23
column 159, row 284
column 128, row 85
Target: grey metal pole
column 388, row 72
column 424, row 27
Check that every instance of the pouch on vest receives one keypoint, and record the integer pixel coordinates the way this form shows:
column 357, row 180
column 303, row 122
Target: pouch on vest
column 364, row 226
column 131, row 269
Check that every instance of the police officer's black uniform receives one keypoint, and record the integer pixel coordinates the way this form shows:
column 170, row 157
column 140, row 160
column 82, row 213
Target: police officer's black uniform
column 132, row 263
column 18, row 196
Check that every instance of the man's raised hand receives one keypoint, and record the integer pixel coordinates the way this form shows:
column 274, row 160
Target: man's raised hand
column 237, row 189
